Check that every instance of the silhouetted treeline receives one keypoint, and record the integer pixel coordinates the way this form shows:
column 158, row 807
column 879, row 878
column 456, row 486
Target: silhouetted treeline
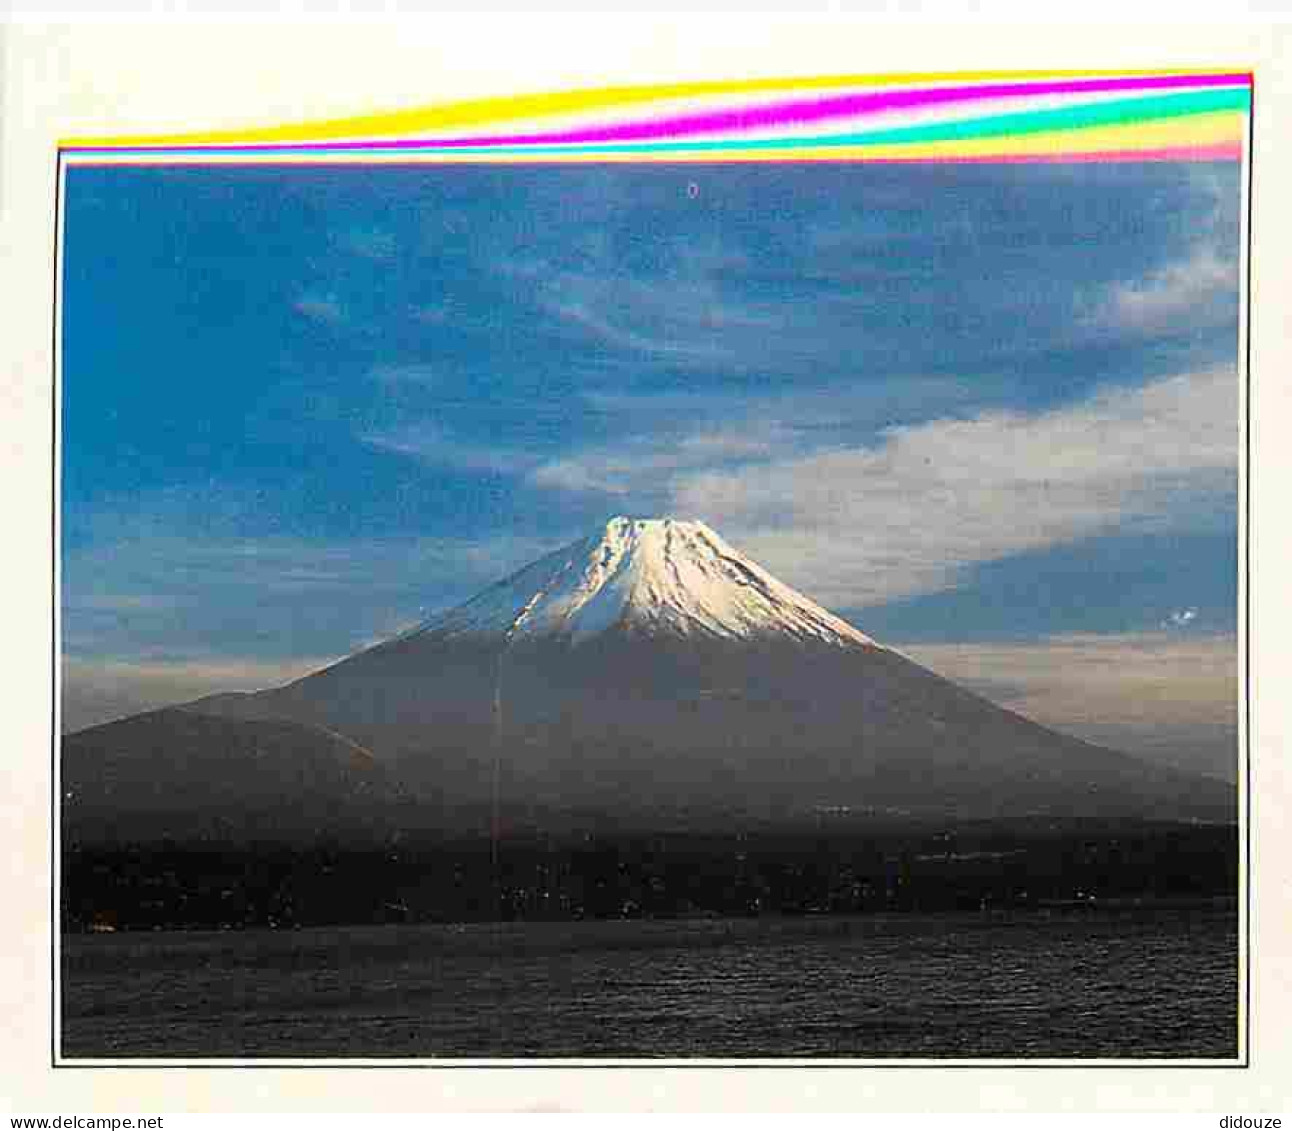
column 667, row 875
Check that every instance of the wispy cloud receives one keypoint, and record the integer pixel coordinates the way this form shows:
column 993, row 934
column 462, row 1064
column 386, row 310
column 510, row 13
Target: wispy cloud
column 177, row 593
column 582, row 304
column 663, row 438
column 433, row 314
column 325, row 308
column 1198, row 290
column 1170, row 698
column 653, row 464
column 122, row 603
column 413, row 373
column 433, row 445
column 685, row 310
column 164, row 617
column 681, row 319
column 368, row 243
column 1196, row 287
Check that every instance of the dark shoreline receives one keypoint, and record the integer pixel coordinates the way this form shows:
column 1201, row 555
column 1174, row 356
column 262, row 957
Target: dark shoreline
column 664, row 876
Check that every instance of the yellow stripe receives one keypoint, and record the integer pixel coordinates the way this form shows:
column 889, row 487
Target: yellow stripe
column 1223, row 127
column 512, row 108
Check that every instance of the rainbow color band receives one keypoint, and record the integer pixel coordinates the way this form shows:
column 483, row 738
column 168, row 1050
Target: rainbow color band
column 1177, row 115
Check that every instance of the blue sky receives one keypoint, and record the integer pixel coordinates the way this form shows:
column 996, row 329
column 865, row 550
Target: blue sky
column 983, row 412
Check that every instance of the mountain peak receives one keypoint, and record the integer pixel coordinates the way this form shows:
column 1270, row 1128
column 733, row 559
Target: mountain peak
column 649, row 576
column 629, row 526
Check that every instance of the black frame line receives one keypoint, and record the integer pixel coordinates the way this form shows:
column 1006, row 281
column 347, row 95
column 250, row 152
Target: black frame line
column 1244, row 1061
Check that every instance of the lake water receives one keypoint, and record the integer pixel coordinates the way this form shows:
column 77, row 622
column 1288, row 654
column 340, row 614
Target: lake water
column 1132, row 983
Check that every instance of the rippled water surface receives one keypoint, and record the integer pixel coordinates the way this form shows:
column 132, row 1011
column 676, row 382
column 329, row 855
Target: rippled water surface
column 1143, row 983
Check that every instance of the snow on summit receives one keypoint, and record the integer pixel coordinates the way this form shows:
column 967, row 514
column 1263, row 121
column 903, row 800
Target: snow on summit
column 655, row 576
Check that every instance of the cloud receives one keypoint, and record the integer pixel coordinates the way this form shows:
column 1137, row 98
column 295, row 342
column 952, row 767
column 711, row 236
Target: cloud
column 859, row 526
column 325, row 308
column 578, row 302
column 1195, row 288
column 620, row 469
column 430, row 444
column 691, row 308
column 174, row 593
column 665, row 437
column 165, row 615
column 437, row 314
column 659, row 436
column 368, row 243
column 1157, row 695
column 414, row 373
column 121, row 603
column 684, row 320
column 1200, row 290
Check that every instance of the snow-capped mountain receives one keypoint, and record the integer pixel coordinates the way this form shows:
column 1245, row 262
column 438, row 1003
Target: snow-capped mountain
column 651, row 667
column 648, row 576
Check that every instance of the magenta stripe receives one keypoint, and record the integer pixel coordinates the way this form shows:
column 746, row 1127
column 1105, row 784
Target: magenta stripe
column 789, row 112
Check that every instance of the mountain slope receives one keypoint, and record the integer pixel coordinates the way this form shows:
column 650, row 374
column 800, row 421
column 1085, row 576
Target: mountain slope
column 189, row 776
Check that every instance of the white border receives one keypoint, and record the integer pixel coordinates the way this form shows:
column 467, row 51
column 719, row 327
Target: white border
column 102, row 83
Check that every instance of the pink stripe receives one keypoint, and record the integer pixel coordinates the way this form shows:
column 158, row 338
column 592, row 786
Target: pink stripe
column 1221, row 151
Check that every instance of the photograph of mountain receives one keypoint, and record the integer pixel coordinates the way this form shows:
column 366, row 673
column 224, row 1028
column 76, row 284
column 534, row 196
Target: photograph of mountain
column 613, row 610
